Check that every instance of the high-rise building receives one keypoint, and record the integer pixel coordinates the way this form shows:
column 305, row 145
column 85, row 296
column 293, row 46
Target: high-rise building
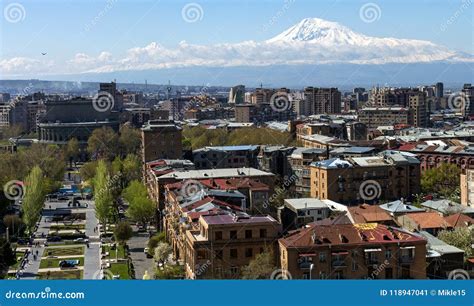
column 439, row 90
column 237, row 94
column 111, row 88
column 467, row 99
column 161, row 139
column 323, row 100
column 419, row 116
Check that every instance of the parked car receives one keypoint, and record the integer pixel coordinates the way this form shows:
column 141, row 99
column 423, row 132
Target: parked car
column 71, row 263
column 81, row 240
column 53, row 239
column 147, row 253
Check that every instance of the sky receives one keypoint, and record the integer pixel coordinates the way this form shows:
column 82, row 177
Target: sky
column 89, row 33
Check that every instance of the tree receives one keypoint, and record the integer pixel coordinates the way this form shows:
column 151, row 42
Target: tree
column 7, row 257
column 155, row 240
column 13, row 223
column 261, row 267
column 141, row 209
column 102, row 195
column 103, row 143
column 72, row 150
column 88, row 170
column 129, row 140
column 33, row 200
column 162, row 252
column 443, row 180
column 460, row 237
column 123, row 231
column 169, row 272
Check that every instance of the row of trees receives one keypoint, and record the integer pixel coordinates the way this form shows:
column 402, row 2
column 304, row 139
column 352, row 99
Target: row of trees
column 198, row 137
column 105, row 143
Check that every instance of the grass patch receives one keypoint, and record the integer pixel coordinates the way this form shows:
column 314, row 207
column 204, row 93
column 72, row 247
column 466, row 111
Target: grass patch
column 72, row 251
column 68, row 274
column 120, row 269
column 121, row 252
column 67, row 227
column 54, row 262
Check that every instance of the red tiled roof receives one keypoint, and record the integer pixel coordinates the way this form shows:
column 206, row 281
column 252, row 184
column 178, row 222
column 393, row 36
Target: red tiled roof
column 369, row 213
column 344, row 234
column 428, row 220
column 459, row 220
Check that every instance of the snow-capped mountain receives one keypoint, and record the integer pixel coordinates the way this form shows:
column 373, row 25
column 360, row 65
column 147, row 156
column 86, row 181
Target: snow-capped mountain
column 339, row 43
column 310, row 52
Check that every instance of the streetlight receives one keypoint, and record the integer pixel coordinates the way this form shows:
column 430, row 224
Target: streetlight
column 311, row 266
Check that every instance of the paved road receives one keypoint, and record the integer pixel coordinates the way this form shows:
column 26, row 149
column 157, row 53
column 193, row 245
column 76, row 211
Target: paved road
column 92, row 254
column 137, row 245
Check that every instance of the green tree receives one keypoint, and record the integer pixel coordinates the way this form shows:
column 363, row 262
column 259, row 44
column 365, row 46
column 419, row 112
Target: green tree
column 72, row 150
column 103, row 143
column 129, row 140
column 13, row 223
column 141, row 209
column 155, row 240
column 443, row 180
column 7, row 257
column 261, row 267
column 123, row 231
column 33, row 200
column 169, row 272
column 460, row 237
column 88, row 170
column 102, row 195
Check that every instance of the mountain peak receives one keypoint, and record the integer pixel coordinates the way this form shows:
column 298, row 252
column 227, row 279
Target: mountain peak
column 318, row 30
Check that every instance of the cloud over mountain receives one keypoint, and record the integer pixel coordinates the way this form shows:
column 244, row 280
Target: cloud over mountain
column 312, row 41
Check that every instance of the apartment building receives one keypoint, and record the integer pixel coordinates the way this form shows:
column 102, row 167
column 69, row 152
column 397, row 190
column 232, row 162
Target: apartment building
column 390, row 175
column 359, row 251
column 225, row 243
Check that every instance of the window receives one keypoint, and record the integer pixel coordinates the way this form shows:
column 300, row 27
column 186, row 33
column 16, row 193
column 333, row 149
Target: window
column 249, row 252
column 248, row 234
column 355, row 265
column 322, row 257
column 219, row 254
column 219, row 235
column 263, row 233
column 234, row 270
column 233, row 234
column 233, row 253
column 388, row 254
